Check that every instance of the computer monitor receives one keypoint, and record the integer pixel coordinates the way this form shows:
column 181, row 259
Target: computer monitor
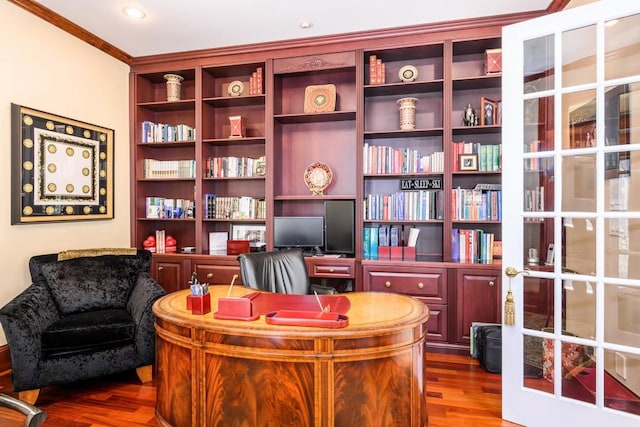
column 306, row 232
column 339, row 227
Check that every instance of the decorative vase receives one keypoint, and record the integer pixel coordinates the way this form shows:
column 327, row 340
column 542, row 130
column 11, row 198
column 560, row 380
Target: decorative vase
column 407, row 112
column 174, row 85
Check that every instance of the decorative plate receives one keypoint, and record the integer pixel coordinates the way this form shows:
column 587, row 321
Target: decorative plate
column 408, row 73
column 317, row 177
column 320, row 99
column 235, row 88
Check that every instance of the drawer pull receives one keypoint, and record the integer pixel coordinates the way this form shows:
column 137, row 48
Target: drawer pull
column 209, row 275
column 160, row 268
column 331, row 270
column 387, row 284
column 420, row 285
column 492, row 283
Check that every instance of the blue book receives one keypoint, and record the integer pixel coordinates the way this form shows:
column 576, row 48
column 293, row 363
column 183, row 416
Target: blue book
column 373, row 247
column 366, row 243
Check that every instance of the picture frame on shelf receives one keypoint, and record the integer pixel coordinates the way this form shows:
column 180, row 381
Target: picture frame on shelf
column 468, row 162
column 488, row 112
column 62, row 169
column 255, row 233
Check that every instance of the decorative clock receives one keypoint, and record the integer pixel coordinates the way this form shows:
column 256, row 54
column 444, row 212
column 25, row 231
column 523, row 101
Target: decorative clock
column 317, row 177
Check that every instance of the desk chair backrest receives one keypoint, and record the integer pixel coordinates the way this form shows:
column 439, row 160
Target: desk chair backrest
column 282, row 271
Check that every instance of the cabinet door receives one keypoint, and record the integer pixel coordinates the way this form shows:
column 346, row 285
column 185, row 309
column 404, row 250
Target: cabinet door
column 169, row 273
column 478, row 293
column 217, row 273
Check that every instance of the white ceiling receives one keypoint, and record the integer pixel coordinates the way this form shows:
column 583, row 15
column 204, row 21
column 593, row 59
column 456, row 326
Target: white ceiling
column 176, row 26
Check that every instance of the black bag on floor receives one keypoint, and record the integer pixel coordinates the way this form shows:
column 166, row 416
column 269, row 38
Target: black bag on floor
column 489, row 341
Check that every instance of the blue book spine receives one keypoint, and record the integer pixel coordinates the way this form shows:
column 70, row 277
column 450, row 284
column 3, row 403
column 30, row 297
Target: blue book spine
column 373, row 247
column 366, row 243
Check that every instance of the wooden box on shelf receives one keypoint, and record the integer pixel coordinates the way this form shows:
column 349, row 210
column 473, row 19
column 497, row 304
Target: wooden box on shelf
column 493, row 61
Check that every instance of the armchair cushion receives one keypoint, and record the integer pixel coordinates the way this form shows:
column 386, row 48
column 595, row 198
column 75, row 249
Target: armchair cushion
column 84, row 284
column 88, row 332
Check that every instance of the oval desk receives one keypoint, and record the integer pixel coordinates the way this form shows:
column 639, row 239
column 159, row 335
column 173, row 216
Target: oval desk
column 212, row 372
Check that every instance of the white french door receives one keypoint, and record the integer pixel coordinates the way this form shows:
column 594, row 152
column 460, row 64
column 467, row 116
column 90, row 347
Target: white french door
column 571, row 217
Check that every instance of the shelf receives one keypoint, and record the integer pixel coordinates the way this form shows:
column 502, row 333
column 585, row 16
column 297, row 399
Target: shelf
column 471, row 130
column 401, row 175
column 474, row 221
column 235, row 220
column 476, row 173
column 166, row 144
column 404, row 88
column 315, row 198
column 315, row 117
column 478, row 82
column 236, row 178
column 234, row 141
column 167, row 219
column 404, row 221
column 183, row 104
column 233, row 101
column 411, row 133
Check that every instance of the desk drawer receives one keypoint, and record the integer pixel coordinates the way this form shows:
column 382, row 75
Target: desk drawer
column 331, row 268
column 430, row 285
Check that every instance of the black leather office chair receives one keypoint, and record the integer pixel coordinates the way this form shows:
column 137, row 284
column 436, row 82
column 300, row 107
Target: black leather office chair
column 282, row 271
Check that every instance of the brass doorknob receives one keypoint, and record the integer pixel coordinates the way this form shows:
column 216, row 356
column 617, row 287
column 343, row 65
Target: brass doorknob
column 512, row 272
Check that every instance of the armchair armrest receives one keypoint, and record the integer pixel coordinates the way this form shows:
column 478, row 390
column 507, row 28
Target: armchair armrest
column 24, row 319
column 322, row 289
column 145, row 292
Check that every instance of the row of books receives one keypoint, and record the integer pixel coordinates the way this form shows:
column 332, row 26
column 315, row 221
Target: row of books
column 377, row 71
column 534, row 163
column 387, row 242
column 489, row 155
column 234, row 207
column 163, row 132
column 161, row 207
column 169, row 168
column 473, row 246
column 417, row 205
column 256, row 82
column 534, row 199
column 476, row 204
column 379, row 159
column 233, row 167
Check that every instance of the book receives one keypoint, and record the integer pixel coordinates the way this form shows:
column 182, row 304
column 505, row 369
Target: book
column 218, row 242
column 412, row 240
column 373, row 244
column 366, row 243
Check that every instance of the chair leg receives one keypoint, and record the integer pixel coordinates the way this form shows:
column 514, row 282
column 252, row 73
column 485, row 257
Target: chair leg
column 29, row 396
column 145, row 373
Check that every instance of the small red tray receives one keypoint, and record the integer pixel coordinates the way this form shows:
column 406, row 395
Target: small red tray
column 321, row 319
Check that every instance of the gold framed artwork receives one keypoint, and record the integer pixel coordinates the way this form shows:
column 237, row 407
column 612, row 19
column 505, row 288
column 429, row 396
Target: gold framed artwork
column 62, row 169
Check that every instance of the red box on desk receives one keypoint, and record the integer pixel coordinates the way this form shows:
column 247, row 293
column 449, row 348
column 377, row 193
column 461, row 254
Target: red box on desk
column 409, row 253
column 237, row 247
column 199, row 304
column 390, row 252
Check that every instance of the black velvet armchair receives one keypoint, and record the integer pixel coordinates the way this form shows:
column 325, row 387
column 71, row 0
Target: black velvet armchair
column 81, row 318
column 283, row 271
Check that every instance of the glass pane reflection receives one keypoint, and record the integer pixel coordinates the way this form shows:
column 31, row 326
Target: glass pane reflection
column 578, row 372
column 538, row 124
column 622, row 248
column 579, row 240
column 579, row 119
column 621, row 315
column 622, row 47
column 579, row 56
column 538, row 66
column 620, row 390
column 538, row 184
column 622, row 114
column 579, row 183
column 534, row 364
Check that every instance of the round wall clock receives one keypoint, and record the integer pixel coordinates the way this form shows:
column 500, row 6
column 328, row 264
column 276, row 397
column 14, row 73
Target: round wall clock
column 317, row 177
column 408, row 73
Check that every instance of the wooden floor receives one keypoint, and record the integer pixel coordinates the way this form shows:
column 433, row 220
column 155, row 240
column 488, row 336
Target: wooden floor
column 459, row 393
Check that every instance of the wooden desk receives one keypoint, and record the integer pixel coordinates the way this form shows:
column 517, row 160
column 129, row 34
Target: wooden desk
column 212, row 372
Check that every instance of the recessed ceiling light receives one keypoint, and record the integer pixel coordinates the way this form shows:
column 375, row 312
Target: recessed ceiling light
column 134, row 12
column 306, row 24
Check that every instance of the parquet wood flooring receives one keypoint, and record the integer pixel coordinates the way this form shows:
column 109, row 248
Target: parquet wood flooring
column 459, row 393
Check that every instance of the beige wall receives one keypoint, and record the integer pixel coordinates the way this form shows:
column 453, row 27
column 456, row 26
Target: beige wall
column 47, row 69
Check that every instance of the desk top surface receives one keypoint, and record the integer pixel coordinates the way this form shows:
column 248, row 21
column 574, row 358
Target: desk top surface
column 367, row 311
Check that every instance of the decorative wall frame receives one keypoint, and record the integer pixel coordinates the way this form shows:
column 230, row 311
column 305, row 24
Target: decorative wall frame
column 62, row 169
